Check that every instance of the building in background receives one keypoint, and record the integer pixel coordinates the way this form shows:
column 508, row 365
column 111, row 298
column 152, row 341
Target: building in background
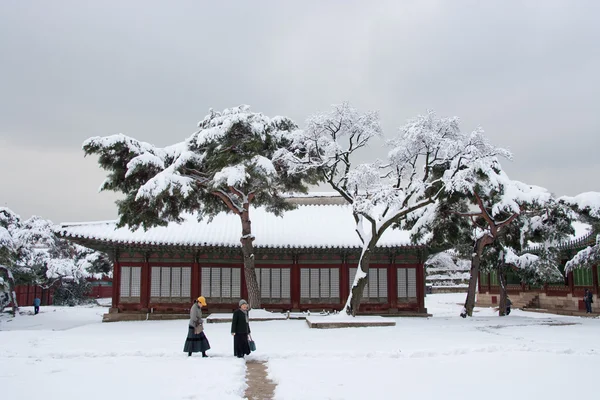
column 305, row 260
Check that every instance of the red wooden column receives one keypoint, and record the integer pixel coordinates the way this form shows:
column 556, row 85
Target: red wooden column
column 344, row 282
column 244, row 288
column 145, row 282
column 421, row 286
column 295, row 283
column 595, row 278
column 571, row 282
column 195, row 290
column 393, row 285
column 116, row 292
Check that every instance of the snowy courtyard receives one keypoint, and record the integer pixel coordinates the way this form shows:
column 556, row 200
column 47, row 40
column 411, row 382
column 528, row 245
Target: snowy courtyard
column 67, row 353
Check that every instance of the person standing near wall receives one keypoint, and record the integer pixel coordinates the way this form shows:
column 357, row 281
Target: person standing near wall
column 36, row 305
column 508, row 304
column 588, row 299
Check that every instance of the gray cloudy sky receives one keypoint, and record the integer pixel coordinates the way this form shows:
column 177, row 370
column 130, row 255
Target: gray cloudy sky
column 528, row 72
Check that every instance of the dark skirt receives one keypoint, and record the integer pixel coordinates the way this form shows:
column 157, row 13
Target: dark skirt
column 240, row 345
column 195, row 343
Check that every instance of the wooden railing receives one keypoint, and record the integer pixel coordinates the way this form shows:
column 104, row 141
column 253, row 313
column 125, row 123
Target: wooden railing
column 584, row 241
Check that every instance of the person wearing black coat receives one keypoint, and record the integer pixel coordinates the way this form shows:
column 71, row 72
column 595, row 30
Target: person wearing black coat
column 508, row 304
column 588, row 299
column 240, row 329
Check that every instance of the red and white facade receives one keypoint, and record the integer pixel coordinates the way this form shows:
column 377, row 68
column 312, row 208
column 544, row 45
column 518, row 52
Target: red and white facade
column 305, row 260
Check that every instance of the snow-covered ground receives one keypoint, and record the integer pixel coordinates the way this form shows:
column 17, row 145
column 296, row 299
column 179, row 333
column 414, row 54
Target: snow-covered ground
column 67, row 353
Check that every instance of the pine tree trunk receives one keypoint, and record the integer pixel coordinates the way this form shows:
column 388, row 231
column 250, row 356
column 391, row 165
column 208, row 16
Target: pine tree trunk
column 11, row 289
column 356, row 293
column 472, row 291
column 249, row 261
column 502, row 282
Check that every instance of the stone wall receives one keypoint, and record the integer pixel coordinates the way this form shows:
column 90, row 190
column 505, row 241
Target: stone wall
column 567, row 302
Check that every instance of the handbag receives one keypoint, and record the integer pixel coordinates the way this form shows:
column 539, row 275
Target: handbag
column 252, row 345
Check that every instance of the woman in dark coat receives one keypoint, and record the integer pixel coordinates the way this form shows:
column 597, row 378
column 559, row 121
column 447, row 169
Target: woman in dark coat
column 588, row 299
column 240, row 329
column 196, row 339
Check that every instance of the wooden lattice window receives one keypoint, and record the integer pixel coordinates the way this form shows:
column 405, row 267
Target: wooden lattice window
column 484, row 278
column 582, row 277
column 407, row 285
column 320, row 285
column 494, row 278
column 131, row 284
column 274, row 284
column 376, row 290
column 171, row 284
column 221, row 284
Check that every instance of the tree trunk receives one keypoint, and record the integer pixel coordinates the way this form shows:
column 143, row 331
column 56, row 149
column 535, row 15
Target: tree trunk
column 356, row 291
column 475, row 263
column 11, row 288
column 249, row 261
column 502, row 282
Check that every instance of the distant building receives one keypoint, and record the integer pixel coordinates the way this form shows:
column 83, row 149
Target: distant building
column 562, row 298
column 446, row 272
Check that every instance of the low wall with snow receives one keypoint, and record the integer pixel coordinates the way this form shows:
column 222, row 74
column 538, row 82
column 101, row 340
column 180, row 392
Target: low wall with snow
column 449, row 289
column 567, row 302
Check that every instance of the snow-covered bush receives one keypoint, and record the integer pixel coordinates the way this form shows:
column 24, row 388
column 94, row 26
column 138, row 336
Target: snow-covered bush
column 31, row 253
column 72, row 293
column 587, row 206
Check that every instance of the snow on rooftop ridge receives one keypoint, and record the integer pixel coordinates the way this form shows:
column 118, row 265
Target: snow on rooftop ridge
column 583, row 232
column 315, row 198
column 312, row 194
column 308, row 226
column 67, row 224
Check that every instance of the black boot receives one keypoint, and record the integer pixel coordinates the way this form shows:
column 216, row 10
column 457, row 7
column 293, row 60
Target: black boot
column 189, row 353
column 204, row 354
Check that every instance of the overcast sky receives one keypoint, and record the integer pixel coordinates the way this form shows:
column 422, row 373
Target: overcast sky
column 527, row 72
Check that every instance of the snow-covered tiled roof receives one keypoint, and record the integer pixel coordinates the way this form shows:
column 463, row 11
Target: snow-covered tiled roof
column 308, row 226
column 581, row 230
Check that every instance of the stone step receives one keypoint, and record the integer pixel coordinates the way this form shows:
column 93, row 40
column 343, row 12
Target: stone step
column 116, row 317
column 563, row 312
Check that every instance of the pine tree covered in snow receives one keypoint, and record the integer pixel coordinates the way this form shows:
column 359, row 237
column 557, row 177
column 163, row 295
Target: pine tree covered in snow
column 8, row 255
column 487, row 208
column 429, row 159
column 529, row 247
column 31, row 253
column 587, row 206
column 228, row 165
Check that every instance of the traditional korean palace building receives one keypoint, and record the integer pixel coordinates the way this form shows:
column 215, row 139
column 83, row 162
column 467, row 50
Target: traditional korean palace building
column 305, row 260
column 563, row 297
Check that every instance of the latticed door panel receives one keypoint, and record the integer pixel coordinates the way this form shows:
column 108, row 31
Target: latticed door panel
column 407, row 285
column 320, row 285
column 221, row 284
column 131, row 284
column 376, row 290
column 170, row 284
column 274, row 285
column 583, row 277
